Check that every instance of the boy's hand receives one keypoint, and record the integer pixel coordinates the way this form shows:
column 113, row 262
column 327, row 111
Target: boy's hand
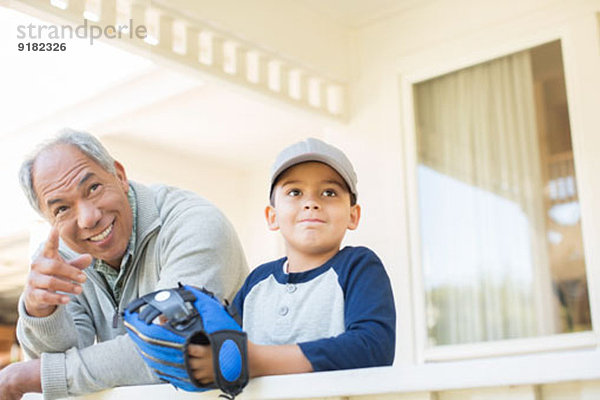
column 201, row 363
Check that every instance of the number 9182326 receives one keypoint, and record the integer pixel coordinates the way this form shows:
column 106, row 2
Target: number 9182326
column 41, row 46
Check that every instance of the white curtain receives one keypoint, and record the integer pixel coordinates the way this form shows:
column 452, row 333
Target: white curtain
column 484, row 252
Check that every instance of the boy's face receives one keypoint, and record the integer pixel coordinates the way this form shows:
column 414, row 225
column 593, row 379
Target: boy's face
column 312, row 208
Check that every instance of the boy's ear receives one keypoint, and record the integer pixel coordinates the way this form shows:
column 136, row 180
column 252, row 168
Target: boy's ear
column 271, row 216
column 354, row 217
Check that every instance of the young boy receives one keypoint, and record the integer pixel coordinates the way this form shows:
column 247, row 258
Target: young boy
column 319, row 308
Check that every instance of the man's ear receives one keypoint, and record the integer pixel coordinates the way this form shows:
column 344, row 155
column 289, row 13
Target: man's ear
column 354, row 217
column 122, row 176
column 271, row 216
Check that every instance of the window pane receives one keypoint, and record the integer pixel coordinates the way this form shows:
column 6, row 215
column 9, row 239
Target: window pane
column 502, row 252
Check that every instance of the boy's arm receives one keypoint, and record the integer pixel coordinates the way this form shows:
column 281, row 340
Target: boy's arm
column 263, row 360
column 370, row 319
column 277, row 360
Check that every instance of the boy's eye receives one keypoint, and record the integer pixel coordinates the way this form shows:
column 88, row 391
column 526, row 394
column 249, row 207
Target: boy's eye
column 294, row 193
column 329, row 193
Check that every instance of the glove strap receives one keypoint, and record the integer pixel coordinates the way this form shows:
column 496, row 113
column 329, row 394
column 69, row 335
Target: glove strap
column 230, row 361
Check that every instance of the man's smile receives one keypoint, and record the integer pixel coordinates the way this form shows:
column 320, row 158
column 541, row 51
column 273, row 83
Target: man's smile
column 102, row 235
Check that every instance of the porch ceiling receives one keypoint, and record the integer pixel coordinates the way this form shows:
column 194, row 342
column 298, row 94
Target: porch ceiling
column 357, row 13
column 218, row 122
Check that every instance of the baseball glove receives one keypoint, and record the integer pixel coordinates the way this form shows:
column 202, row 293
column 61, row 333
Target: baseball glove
column 188, row 315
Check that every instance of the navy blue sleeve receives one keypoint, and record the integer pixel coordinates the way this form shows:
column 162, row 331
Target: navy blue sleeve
column 369, row 339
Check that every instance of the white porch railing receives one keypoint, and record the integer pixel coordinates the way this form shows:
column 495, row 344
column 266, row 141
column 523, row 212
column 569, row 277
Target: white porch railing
column 535, row 377
column 177, row 37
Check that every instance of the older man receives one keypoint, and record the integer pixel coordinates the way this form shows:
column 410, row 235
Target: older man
column 120, row 240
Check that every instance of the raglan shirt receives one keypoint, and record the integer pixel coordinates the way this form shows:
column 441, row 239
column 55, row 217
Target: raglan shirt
column 341, row 314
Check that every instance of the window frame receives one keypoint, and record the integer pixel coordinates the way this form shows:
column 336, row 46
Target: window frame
column 428, row 65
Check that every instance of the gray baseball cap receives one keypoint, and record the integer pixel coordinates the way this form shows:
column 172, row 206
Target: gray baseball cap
column 313, row 149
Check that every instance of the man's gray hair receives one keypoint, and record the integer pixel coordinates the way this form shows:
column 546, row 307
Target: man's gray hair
column 86, row 143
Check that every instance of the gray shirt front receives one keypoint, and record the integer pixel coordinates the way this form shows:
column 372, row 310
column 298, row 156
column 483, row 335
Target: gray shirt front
column 294, row 312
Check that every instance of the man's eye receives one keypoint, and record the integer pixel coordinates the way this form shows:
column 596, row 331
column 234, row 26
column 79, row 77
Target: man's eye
column 60, row 210
column 94, row 187
column 329, row 193
column 294, row 193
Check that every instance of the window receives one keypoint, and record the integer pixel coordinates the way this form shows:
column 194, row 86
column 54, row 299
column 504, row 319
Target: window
column 500, row 226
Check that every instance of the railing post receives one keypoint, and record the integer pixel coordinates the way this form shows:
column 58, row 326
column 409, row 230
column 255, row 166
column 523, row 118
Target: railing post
column 76, row 8
column 303, row 82
column 165, row 32
column 323, row 95
column 138, row 15
column 192, row 47
column 262, row 67
column 218, row 52
column 108, row 12
column 241, row 62
column 284, row 79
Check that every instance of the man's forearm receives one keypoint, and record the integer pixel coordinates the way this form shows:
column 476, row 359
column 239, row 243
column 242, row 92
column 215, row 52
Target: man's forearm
column 55, row 333
column 104, row 365
column 276, row 360
column 29, row 371
column 20, row 378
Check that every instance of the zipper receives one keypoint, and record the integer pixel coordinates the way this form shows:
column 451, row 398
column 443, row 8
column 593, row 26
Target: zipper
column 128, row 273
column 101, row 281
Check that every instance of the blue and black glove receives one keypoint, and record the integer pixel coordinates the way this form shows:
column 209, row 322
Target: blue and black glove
column 189, row 316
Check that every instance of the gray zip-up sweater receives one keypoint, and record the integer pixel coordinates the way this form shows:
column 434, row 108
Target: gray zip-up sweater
column 83, row 346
